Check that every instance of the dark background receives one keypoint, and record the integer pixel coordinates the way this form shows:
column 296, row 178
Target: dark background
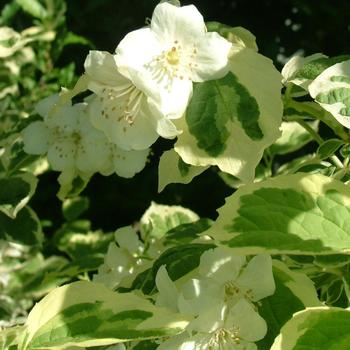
column 281, row 27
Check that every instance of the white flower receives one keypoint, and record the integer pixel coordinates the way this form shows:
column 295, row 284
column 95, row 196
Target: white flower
column 124, row 110
column 122, row 261
column 172, row 53
column 226, row 275
column 221, row 328
column 74, row 146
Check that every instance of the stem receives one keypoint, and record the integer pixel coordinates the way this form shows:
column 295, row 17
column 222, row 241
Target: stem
column 319, row 140
column 311, row 131
column 321, row 115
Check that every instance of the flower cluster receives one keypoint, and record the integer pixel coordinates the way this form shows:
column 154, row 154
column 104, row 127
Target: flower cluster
column 221, row 299
column 138, row 93
column 123, row 260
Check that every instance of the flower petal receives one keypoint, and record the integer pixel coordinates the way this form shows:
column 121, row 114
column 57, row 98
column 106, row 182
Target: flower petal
column 117, row 258
column 61, row 154
column 209, row 320
column 102, row 69
column 212, row 58
column 251, row 325
column 172, row 23
column 128, row 163
column 36, row 138
column 168, row 293
column 198, row 295
column 258, row 277
column 45, row 105
column 94, row 150
column 221, row 264
column 128, row 239
column 181, row 341
column 138, row 135
column 137, row 48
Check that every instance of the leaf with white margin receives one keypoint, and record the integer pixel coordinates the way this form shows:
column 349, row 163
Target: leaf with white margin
column 293, row 137
column 229, row 122
column 9, row 337
column 172, row 169
column 236, row 35
column 294, row 291
column 301, row 71
column 88, row 314
column 25, row 228
column 331, row 89
column 293, row 71
column 159, row 219
column 318, row 328
column 15, row 193
column 288, row 214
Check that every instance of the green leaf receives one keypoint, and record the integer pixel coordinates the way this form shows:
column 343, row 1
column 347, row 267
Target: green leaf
column 230, row 121
column 24, row 229
column 311, row 70
column 33, row 7
column 345, row 150
column 295, row 72
column 294, row 292
column 331, row 89
column 290, row 214
column 72, row 208
column 337, row 260
column 79, row 245
column 159, row 219
column 236, row 35
column 293, row 137
column 15, row 193
column 316, row 328
column 179, row 261
column 88, row 314
column 186, row 233
column 34, row 278
column 329, row 147
column 74, row 39
column 172, row 169
column 9, row 337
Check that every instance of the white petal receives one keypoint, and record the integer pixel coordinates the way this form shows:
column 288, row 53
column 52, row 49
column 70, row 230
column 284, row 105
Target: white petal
column 172, row 23
column 168, row 293
column 128, row 136
column 117, row 258
column 252, row 327
column 102, row 69
column 221, row 264
column 211, row 58
column 258, row 277
column 199, row 295
column 178, row 342
column 128, row 163
column 173, row 102
column 44, row 106
column 137, row 48
column 65, row 118
column 61, row 154
column 162, row 125
column 36, row 138
column 164, row 101
column 209, row 320
column 93, row 150
column 128, row 239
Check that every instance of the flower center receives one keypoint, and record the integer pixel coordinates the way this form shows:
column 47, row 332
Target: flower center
column 172, row 56
column 178, row 62
column 222, row 338
column 121, row 103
